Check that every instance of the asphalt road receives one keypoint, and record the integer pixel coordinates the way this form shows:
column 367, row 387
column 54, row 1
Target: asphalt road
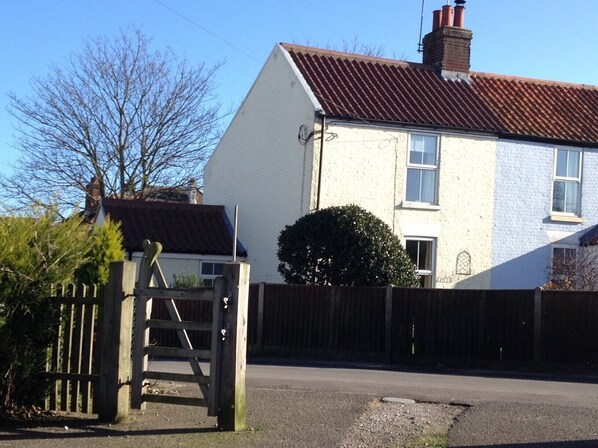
column 507, row 410
column 452, row 387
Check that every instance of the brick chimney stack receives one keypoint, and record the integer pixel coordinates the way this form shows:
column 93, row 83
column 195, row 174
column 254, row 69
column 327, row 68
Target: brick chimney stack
column 92, row 198
column 447, row 47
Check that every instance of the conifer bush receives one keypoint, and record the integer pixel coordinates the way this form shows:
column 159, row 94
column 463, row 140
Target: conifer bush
column 105, row 246
column 38, row 251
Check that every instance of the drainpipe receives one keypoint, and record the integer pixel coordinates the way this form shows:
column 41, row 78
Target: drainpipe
column 321, row 157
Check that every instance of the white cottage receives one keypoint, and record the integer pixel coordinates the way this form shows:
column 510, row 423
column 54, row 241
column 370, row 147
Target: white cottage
column 416, row 144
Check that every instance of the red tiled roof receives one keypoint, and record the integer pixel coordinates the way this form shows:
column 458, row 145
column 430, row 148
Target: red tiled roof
column 383, row 90
column 179, row 227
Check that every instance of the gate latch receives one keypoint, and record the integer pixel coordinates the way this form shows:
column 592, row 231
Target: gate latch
column 225, row 332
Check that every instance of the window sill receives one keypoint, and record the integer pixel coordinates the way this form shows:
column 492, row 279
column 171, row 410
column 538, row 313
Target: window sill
column 419, row 206
column 566, row 218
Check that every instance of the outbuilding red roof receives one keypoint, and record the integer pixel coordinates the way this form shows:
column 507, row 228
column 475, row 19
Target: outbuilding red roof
column 383, row 90
column 179, row 227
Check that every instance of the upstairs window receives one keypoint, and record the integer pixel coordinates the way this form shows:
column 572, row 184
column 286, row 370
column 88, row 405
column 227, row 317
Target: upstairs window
column 567, row 182
column 422, row 167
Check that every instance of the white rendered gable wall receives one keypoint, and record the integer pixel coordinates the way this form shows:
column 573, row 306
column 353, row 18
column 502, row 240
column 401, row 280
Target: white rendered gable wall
column 260, row 166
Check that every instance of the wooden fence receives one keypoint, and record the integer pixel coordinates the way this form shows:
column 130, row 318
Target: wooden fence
column 491, row 328
column 70, row 361
column 569, row 327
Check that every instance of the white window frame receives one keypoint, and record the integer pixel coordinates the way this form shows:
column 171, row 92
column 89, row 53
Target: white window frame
column 209, row 278
column 422, row 167
column 429, row 273
column 567, row 179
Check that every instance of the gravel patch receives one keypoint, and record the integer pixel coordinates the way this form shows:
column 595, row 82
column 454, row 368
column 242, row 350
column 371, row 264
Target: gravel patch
column 388, row 424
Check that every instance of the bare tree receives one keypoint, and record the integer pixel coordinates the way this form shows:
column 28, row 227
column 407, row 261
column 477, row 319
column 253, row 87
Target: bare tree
column 355, row 46
column 118, row 112
column 574, row 269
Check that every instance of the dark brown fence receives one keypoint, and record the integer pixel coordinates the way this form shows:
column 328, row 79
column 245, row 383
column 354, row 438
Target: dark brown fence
column 462, row 324
column 194, row 311
column 317, row 320
column 569, row 327
column 461, row 327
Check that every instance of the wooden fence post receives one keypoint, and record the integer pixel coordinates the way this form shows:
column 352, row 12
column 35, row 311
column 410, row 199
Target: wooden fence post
column 388, row 324
column 115, row 367
column 232, row 400
column 537, row 325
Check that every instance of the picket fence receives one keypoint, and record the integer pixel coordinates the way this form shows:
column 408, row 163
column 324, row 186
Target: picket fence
column 70, row 358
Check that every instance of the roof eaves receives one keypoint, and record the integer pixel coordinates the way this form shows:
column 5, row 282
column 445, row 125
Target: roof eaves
column 410, row 126
column 550, row 140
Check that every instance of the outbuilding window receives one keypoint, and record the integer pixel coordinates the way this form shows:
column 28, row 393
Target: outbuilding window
column 209, row 272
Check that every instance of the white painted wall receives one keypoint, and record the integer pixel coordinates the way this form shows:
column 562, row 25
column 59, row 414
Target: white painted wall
column 260, row 166
column 366, row 166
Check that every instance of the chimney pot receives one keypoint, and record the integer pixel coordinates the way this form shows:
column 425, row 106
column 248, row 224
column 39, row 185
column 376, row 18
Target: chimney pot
column 437, row 19
column 447, row 48
column 459, row 13
column 447, row 15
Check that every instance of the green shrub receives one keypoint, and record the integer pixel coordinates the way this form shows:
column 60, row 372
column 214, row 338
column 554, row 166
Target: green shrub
column 186, row 281
column 105, row 246
column 37, row 252
column 345, row 246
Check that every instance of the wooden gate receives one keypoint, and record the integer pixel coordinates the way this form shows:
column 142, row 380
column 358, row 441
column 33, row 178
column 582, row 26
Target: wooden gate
column 222, row 390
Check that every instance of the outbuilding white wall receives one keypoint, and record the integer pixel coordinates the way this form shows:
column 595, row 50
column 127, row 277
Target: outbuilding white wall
column 261, row 166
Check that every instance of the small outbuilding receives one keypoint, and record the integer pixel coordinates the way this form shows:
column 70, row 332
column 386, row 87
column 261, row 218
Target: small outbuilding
column 196, row 238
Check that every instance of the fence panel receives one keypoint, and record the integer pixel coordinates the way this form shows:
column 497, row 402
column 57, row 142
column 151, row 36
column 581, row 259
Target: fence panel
column 508, row 325
column 434, row 323
column 298, row 318
column 360, row 320
column 465, row 325
column 71, row 362
column 252, row 315
column 569, row 327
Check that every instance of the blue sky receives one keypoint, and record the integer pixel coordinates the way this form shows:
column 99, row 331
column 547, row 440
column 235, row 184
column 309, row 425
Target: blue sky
column 545, row 39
